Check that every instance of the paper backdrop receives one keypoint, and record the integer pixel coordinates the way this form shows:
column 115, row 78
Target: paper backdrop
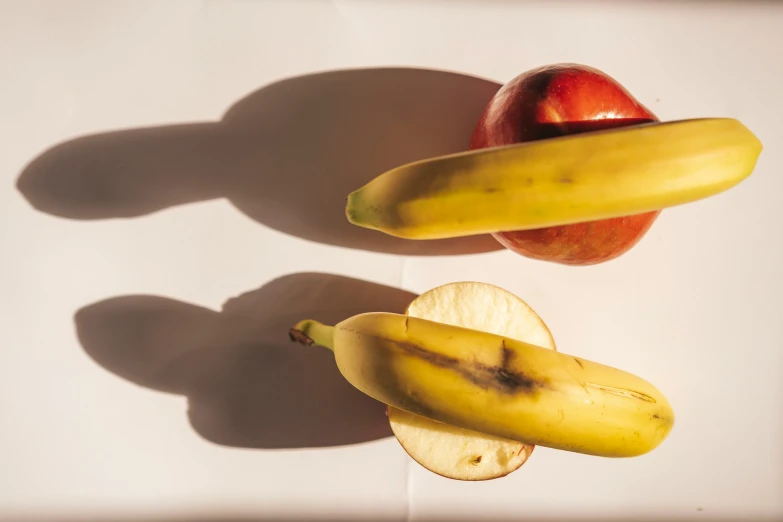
column 173, row 182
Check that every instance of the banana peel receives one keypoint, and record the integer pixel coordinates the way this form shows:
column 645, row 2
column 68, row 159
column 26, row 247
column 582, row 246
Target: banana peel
column 495, row 385
column 558, row 181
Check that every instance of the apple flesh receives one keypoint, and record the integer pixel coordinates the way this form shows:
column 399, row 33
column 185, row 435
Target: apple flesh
column 453, row 452
column 553, row 101
column 456, row 453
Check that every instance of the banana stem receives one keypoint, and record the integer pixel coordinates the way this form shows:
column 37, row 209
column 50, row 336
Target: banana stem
column 309, row 332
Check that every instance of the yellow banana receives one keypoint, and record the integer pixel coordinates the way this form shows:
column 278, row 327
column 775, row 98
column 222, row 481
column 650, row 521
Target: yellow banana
column 569, row 179
column 495, row 385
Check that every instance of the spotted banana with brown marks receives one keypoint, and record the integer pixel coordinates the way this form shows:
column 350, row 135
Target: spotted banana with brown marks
column 495, row 385
column 558, row 181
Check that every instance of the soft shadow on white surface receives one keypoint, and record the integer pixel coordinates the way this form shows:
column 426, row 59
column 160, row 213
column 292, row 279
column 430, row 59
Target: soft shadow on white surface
column 247, row 384
column 287, row 155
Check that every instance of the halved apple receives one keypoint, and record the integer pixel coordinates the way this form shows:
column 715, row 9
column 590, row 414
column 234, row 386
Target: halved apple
column 450, row 451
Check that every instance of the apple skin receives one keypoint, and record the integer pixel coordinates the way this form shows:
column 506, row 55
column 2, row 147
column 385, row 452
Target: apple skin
column 552, row 101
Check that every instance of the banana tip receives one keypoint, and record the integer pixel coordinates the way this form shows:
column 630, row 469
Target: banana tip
column 309, row 332
column 351, row 209
column 298, row 336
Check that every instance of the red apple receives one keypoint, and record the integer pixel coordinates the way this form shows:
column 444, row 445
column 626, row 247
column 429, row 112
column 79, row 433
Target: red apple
column 553, row 101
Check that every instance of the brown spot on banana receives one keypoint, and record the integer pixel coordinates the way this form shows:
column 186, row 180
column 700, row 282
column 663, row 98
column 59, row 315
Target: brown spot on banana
column 500, row 378
column 621, row 392
column 414, row 404
column 506, row 355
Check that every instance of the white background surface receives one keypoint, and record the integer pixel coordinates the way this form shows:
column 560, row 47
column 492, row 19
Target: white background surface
column 188, row 218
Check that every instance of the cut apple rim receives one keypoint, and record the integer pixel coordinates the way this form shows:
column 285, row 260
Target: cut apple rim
column 454, row 452
column 451, row 451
